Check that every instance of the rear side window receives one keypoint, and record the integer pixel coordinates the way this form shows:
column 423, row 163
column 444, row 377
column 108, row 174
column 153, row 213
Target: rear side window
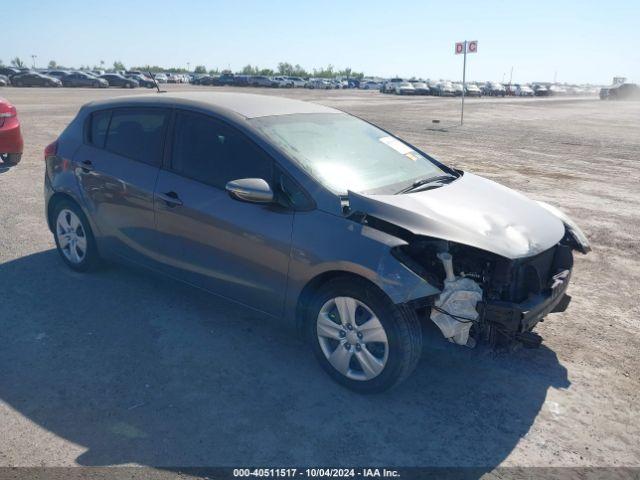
column 137, row 133
column 99, row 127
column 214, row 153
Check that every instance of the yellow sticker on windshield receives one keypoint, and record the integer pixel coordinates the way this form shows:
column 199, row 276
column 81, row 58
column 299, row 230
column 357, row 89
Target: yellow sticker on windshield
column 411, row 156
column 396, row 144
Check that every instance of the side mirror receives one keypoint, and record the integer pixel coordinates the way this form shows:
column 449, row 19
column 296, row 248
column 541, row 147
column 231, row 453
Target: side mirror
column 254, row 190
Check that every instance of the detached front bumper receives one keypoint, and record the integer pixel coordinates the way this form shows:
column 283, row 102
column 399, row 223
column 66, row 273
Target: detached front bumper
column 511, row 319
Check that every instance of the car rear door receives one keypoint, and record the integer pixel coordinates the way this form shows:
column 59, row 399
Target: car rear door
column 118, row 167
column 235, row 249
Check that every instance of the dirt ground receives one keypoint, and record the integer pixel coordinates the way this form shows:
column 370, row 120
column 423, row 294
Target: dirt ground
column 121, row 367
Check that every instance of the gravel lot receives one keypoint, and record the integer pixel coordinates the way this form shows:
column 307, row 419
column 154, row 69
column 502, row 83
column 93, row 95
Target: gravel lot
column 121, row 367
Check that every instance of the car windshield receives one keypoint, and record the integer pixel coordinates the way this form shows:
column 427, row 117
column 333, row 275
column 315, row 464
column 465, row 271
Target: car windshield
column 344, row 153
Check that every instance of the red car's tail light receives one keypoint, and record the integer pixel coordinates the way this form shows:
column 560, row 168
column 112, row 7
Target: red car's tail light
column 51, row 150
column 7, row 110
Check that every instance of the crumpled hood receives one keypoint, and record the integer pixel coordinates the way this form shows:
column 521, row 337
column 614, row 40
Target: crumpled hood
column 472, row 211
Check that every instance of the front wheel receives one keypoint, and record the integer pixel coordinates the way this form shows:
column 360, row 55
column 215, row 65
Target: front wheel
column 361, row 339
column 74, row 239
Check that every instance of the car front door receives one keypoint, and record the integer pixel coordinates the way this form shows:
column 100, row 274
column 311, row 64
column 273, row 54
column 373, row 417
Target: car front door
column 236, row 249
column 118, row 167
column 72, row 80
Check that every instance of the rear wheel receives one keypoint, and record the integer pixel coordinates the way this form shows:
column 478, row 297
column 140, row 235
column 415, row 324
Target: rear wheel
column 11, row 158
column 74, row 239
column 361, row 339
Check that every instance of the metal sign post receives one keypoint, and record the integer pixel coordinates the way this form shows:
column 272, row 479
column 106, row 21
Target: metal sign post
column 464, row 47
column 464, row 82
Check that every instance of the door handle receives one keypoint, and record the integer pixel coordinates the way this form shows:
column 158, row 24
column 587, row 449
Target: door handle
column 171, row 199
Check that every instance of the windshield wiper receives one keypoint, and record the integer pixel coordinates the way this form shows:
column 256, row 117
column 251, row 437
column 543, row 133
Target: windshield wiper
column 425, row 181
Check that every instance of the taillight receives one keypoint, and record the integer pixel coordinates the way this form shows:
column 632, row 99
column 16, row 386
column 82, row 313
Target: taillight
column 51, row 150
column 7, row 110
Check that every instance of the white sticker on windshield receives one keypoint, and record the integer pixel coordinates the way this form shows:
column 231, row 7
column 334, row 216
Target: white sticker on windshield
column 396, row 144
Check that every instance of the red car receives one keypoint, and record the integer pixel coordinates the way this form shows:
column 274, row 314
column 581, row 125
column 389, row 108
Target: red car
column 10, row 136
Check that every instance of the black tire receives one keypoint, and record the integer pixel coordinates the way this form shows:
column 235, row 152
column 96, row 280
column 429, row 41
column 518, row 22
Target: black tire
column 91, row 259
column 11, row 158
column 401, row 325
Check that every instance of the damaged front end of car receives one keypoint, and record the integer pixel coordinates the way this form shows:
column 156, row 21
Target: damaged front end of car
column 495, row 296
column 488, row 297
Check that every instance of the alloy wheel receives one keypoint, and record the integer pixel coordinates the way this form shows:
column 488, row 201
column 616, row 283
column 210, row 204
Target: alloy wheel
column 352, row 338
column 71, row 236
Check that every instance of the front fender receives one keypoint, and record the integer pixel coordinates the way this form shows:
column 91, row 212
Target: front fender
column 322, row 243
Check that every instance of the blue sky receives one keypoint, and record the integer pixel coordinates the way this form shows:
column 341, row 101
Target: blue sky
column 577, row 41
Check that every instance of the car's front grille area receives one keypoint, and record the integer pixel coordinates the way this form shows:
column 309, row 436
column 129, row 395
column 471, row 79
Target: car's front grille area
column 532, row 275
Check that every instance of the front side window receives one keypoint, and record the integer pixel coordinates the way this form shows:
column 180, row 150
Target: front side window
column 214, row 153
column 137, row 133
column 344, row 153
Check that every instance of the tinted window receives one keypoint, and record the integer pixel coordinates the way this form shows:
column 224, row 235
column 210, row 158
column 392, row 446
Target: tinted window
column 137, row 133
column 210, row 151
column 99, row 126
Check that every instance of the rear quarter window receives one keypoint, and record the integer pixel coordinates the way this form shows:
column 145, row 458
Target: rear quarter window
column 98, row 126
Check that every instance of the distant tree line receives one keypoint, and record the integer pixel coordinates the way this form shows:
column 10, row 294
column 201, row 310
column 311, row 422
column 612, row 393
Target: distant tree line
column 283, row 68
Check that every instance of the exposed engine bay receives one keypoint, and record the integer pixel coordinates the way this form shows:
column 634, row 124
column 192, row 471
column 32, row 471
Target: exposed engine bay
column 484, row 296
column 500, row 261
column 491, row 298
column 454, row 311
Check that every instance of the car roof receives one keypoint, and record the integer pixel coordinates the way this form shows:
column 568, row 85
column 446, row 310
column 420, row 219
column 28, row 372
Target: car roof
column 247, row 105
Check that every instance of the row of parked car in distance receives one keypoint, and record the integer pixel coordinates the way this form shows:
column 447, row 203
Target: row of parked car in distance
column 279, row 81
column 73, row 78
column 398, row 86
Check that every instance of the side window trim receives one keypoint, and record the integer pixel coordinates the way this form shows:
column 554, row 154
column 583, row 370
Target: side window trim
column 168, row 141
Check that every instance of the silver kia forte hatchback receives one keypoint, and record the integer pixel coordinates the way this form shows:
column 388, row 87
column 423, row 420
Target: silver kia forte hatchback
column 312, row 215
